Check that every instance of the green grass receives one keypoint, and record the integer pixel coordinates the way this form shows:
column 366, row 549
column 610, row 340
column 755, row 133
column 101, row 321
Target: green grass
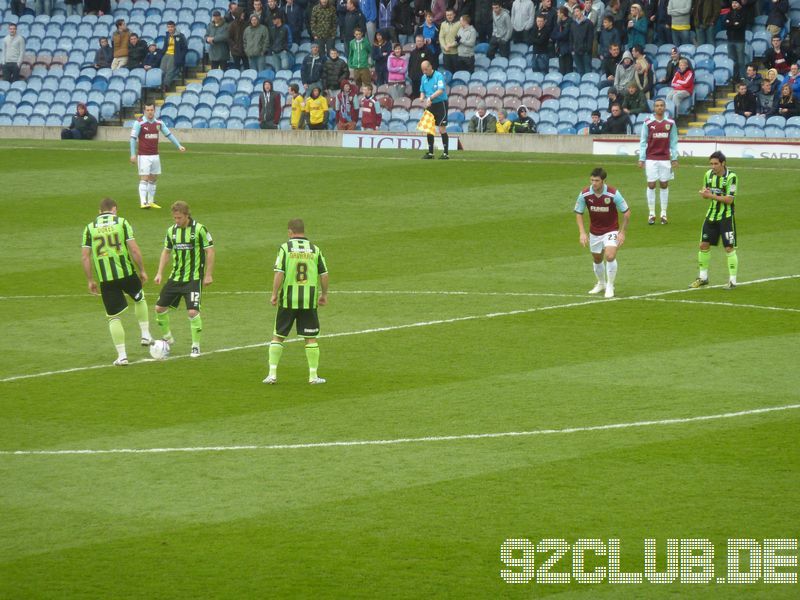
column 422, row 519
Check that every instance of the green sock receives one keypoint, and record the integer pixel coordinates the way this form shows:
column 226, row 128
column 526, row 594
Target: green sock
column 162, row 318
column 140, row 308
column 275, row 352
column 703, row 260
column 733, row 264
column 117, row 335
column 312, row 355
column 196, row 323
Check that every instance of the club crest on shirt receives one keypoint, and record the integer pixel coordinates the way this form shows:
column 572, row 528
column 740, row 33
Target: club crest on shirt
column 607, row 200
column 667, row 126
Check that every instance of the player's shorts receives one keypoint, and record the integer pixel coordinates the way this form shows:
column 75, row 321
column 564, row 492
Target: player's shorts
column 439, row 111
column 306, row 318
column 113, row 293
column 725, row 228
column 658, row 170
column 173, row 291
column 598, row 242
column 149, row 164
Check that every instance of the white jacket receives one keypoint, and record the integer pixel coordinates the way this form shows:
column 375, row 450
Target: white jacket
column 522, row 15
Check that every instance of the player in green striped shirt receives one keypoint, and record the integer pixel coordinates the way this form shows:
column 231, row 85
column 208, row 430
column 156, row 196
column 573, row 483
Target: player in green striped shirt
column 719, row 186
column 110, row 251
column 300, row 285
column 192, row 250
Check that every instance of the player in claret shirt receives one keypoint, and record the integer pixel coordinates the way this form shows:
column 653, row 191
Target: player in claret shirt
column 605, row 235
column 658, row 154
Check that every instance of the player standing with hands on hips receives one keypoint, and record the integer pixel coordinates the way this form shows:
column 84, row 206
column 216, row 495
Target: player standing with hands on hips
column 605, row 235
column 658, row 154
column 145, row 131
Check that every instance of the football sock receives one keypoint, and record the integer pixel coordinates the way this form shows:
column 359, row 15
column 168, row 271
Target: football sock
column 117, row 335
column 196, row 323
column 651, row 201
column 430, row 144
column 143, row 189
column 312, row 356
column 733, row 265
column 140, row 308
column 664, row 197
column 445, row 140
column 600, row 272
column 151, row 192
column 611, row 268
column 162, row 318
column 703, row 260
column 275, row 352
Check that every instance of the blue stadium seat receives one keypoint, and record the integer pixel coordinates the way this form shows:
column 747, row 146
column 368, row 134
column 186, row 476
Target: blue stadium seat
column 570, row 79
column 590, row 78
column 198, row 124
column 234, row 123
column 696, row 132
column 734, row 119
column 734, row 131
column 251, row 124
column 777, row 121
column 754, row 131
column 481, row 48
column 547, row 129
column 716, row 119
column 792, row 131
column 201, row 110
column 713, row 131
column 757, row 121
column 773, row 131
column 153, row 78
column 793, row 121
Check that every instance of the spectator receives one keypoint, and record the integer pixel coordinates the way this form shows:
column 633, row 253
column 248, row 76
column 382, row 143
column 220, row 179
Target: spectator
column 682, row 85
column 403, row 19
column 230, row 17
column 637, row 26
column 369, row 111
column 482, row 121
column 503, row 125
column 256, row 41
column 778, row 14
column 18, row 7
column 236, row 29
column 706, row 14
column 82, row 127
column 438, row 9
column 380, row 53
column 625, row 73
column 787, row 103
column 294, row 15
column 173, row 54
column 298, row 107
column 334, row 71
column 430, row 33
column 618, row 123
column 523, row 123
column 483, row 19
column 607, row 37
column 103, row 56
column 317, row 109
column 418, row 55
column 617, row 14
column 597, row 124
column 14, row 51
column 581, row 39
column 278, row 55
column 672, row 65
column 642, row 70
column 273, row 10
column 448, row 32
column 263, row 16
column 662, row 33
column 561, row 38
column 777, row 57
column 793, row 79
column 353, row 19
column 44, row 7
column 467, row 39
column 323, row 26
column 540, row 41
column 592, row 12
column 774, row 81
column 397, row 66
column 74, row 7
column 311, row 70
column 137, row 50
column 359, row 57
column 345, row 106
column 744, row 102
column 97, row 7
column 753, row 79
column 736, row 27
column 369, row 9
column 522, row 20
column 120, row 41
column 386, row 18
column 217, row 38
column 608, row 67
column 613, row 98
column 501, row 31
column 270, row 104
column 634, row 102
column 549, row 13
column 152, row 59
column 765, row 100
column 680, row 11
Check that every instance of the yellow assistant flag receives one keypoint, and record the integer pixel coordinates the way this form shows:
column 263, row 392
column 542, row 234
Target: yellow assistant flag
column 427, row 124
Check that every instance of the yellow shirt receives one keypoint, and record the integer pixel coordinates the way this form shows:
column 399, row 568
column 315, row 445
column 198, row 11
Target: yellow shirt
column 171, row 45
column 504, row 127
column 317, row 110
column 297, row 109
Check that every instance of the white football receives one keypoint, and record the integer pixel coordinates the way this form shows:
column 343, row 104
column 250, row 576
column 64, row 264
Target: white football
column 159, row 349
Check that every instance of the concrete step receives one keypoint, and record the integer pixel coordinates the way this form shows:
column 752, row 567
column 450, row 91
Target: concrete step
column 697, row 123
column 180, row 88
column 682, row 131
column 717, row 109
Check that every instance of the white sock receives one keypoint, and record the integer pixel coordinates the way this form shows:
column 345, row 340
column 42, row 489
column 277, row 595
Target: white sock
column 143, row 185
column 651, row 202
column 312, row 374
column 664, row 197
column 732, row 279
column 611, row 269
column 121, row 353
column 151, row 192
column 145, row 327
column 704, row 274
column 600, row 272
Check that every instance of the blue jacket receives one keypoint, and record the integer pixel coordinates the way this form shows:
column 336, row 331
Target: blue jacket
column 180, row 48
column 369, row 9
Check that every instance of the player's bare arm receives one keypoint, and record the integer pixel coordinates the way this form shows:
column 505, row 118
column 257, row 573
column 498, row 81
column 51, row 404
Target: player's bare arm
column 584, row 239
column 162, row 262
column 136, row 255
column 277, row 283
column 133, row 159
column 86, row 262
column 323, row 294
column 626, row 217
column 641, row 164
column 208, row 278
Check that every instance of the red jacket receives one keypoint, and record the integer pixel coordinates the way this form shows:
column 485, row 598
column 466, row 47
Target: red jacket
column 683, row 82
column 370, row 113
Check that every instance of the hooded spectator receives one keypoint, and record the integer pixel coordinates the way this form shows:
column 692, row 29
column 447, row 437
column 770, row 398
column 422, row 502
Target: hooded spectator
column 482, row 121
column 626, row 71
column 82, row 127
column 523, row 123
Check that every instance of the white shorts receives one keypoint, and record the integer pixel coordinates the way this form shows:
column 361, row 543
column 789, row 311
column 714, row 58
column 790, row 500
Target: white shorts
column 658, row 170
column 598, row 242
column 149, row 164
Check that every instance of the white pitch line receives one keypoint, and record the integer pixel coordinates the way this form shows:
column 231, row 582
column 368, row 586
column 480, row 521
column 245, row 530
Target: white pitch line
column 408, row 440
column 709, row 302
column 522, row 311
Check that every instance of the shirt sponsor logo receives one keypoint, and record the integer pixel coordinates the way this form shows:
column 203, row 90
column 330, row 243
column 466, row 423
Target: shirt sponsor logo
column 661, row 135
column 600, row 208
column 151, row 136
column 184, row 246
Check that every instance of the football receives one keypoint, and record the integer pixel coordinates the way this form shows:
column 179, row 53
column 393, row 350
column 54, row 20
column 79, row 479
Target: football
column 159, row 349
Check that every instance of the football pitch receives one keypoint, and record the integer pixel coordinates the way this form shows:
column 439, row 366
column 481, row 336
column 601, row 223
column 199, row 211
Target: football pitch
column 476, row 393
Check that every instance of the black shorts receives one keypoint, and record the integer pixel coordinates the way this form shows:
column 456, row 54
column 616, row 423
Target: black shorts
column 173, row 291
column 306, row 318
column 724, row 228
column 113, row 293
column 439, row 110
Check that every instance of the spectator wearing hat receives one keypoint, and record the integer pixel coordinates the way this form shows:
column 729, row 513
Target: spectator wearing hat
column 152, row 59
column 311, row 69
column 137, row 50
column 523, row 123
column 597, row 124
column 82, row 127
column 503, row 125
column 482, row 121
column 256, row 42
column 217, row 39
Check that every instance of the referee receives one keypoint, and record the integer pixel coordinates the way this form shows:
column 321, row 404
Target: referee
column 432, row 90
